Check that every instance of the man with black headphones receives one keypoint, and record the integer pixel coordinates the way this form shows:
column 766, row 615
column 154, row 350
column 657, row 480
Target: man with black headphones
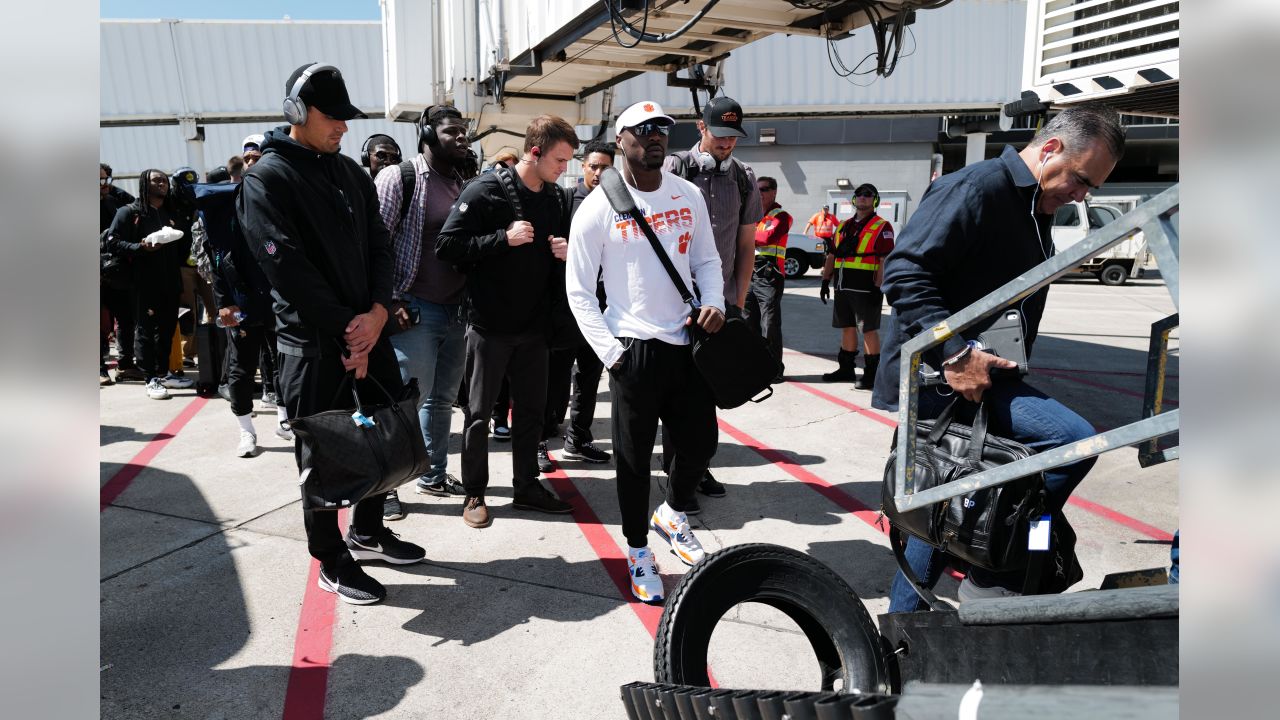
column 310, row 216
column 379, row 151
column 853, row 263
column 729, row 189
column 415, row 197
column 974, row 231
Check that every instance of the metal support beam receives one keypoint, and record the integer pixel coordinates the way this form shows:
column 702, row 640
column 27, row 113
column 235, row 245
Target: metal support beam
column 737, row 24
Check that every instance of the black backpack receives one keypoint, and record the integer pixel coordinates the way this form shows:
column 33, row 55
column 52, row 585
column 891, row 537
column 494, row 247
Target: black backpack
column 113, row 270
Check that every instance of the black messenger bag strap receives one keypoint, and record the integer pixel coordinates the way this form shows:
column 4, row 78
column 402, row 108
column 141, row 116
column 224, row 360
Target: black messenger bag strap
column 899, row 542
column 615, row 189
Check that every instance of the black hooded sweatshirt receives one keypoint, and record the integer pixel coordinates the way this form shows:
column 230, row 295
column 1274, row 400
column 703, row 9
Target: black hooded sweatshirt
column 311, row 220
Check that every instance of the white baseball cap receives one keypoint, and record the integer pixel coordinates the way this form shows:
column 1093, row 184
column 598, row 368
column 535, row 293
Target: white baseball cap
column 639, row 113
column 255, row 141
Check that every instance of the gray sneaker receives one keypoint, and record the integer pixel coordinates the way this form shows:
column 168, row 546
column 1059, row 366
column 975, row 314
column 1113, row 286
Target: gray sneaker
column 444, row 487
column 970, row 590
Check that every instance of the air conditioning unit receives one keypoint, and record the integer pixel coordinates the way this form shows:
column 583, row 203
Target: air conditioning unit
column 1124, row 52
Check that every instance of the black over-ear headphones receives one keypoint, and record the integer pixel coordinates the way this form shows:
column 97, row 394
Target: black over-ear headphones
column 364, row 149
column 427, row 133
column 295, row 110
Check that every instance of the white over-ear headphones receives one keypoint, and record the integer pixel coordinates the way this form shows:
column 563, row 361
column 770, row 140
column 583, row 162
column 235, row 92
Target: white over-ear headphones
column 708, row 163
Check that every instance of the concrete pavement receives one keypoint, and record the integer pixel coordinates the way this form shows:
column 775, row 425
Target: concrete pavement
column 206, row 609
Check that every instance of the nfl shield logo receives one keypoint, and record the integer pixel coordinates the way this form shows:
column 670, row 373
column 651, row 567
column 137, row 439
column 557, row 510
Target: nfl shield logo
column 271, row 247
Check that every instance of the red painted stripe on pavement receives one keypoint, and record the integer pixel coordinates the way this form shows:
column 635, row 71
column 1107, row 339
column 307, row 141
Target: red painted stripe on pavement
column 822, row 487
column 888, row 422
column 304, row 698
column 1126, row 373
column 1101, row 386
column 1120, row 518
column 126, row 475
column 1100, row 510
column 609, row 552
column 611, row 555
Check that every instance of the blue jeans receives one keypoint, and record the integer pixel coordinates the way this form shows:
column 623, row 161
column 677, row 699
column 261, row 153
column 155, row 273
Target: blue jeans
column 433, row 351
column 1018, row 412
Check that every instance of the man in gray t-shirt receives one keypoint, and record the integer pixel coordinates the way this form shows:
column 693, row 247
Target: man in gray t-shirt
column 729, row 188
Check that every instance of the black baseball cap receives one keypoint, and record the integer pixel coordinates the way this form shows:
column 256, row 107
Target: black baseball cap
column 723, row 117
column 868, row 187
column 325, row 91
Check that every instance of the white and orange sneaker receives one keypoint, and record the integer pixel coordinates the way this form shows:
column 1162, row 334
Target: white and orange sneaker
column 646, row 584
column 673, row 526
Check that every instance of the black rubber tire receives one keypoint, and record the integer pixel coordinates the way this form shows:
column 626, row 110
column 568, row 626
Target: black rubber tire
column 796, row 264
column 828, row 611
column 1114, row 274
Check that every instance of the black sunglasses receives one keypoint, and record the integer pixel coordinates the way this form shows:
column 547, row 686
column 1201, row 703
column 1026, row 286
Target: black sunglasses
column 385, row 156
column 864, row 193
column 766, row 188
column 649, row 128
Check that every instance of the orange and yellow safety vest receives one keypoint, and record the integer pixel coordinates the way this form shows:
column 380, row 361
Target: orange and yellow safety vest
column 862, row 259
column 777, row 249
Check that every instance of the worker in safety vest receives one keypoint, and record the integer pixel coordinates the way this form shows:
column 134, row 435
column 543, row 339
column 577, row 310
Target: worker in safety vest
column 763, row 306
column 854, row 263
column 823, row 223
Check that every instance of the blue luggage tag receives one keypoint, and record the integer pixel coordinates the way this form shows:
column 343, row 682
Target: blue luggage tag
column 361, row 420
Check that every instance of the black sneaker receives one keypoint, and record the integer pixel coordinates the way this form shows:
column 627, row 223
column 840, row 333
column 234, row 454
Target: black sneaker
column 536, row 497
column 386, row 546
column 544, row 460
column 584, row 451
column 446, row 486
column 501, row 433
column 391, row 508
column 353, row 585
column 710, row 487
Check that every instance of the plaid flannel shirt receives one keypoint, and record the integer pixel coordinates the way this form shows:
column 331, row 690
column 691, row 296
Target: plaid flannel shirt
column 406, row 237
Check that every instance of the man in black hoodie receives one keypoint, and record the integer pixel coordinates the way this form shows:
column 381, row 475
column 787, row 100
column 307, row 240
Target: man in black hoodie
column 310, row 217
column 509, row 258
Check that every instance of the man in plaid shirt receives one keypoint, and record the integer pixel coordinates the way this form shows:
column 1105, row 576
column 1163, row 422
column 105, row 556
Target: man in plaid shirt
column 430, row 344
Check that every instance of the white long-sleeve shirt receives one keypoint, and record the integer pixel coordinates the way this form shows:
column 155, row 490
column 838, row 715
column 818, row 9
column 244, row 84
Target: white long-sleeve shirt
column 642, row 301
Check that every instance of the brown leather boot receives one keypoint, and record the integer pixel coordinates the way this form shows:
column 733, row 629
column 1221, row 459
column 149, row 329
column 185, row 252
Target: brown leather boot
column 475, row 513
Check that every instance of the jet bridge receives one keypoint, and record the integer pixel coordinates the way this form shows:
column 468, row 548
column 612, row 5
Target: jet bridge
column 502, row 62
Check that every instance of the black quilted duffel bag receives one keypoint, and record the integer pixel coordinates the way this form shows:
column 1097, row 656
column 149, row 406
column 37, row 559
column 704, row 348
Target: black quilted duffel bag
column 346, row 458
column 987, row 528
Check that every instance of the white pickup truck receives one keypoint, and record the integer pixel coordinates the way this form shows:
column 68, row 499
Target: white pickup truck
column 1072, row 222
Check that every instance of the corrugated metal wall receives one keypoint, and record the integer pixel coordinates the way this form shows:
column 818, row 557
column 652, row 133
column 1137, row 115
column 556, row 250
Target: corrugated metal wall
column 967, row 53
column 130, row 150
column 204, row 67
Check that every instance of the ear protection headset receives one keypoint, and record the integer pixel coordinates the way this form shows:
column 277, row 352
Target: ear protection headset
column 708, row 163
column 427, row 132
column 295, row 110
column 364, row 149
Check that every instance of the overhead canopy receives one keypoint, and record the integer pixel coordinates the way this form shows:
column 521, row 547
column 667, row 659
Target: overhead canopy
column 582, row 57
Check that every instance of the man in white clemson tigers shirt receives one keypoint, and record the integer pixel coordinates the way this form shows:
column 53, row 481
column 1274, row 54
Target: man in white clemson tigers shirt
column 643, row 338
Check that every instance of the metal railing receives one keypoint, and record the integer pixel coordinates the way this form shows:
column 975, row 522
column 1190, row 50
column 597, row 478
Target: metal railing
column 1153, row 218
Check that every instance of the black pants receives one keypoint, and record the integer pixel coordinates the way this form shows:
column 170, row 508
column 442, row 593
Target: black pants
column 267, row 362
column 658, row 381
column 502, row 406
column 762, row 308
column 521, row 359
column 307, row 386
column 119, row 303
column 582, row 403
column 249, row 343
column 156, row 314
